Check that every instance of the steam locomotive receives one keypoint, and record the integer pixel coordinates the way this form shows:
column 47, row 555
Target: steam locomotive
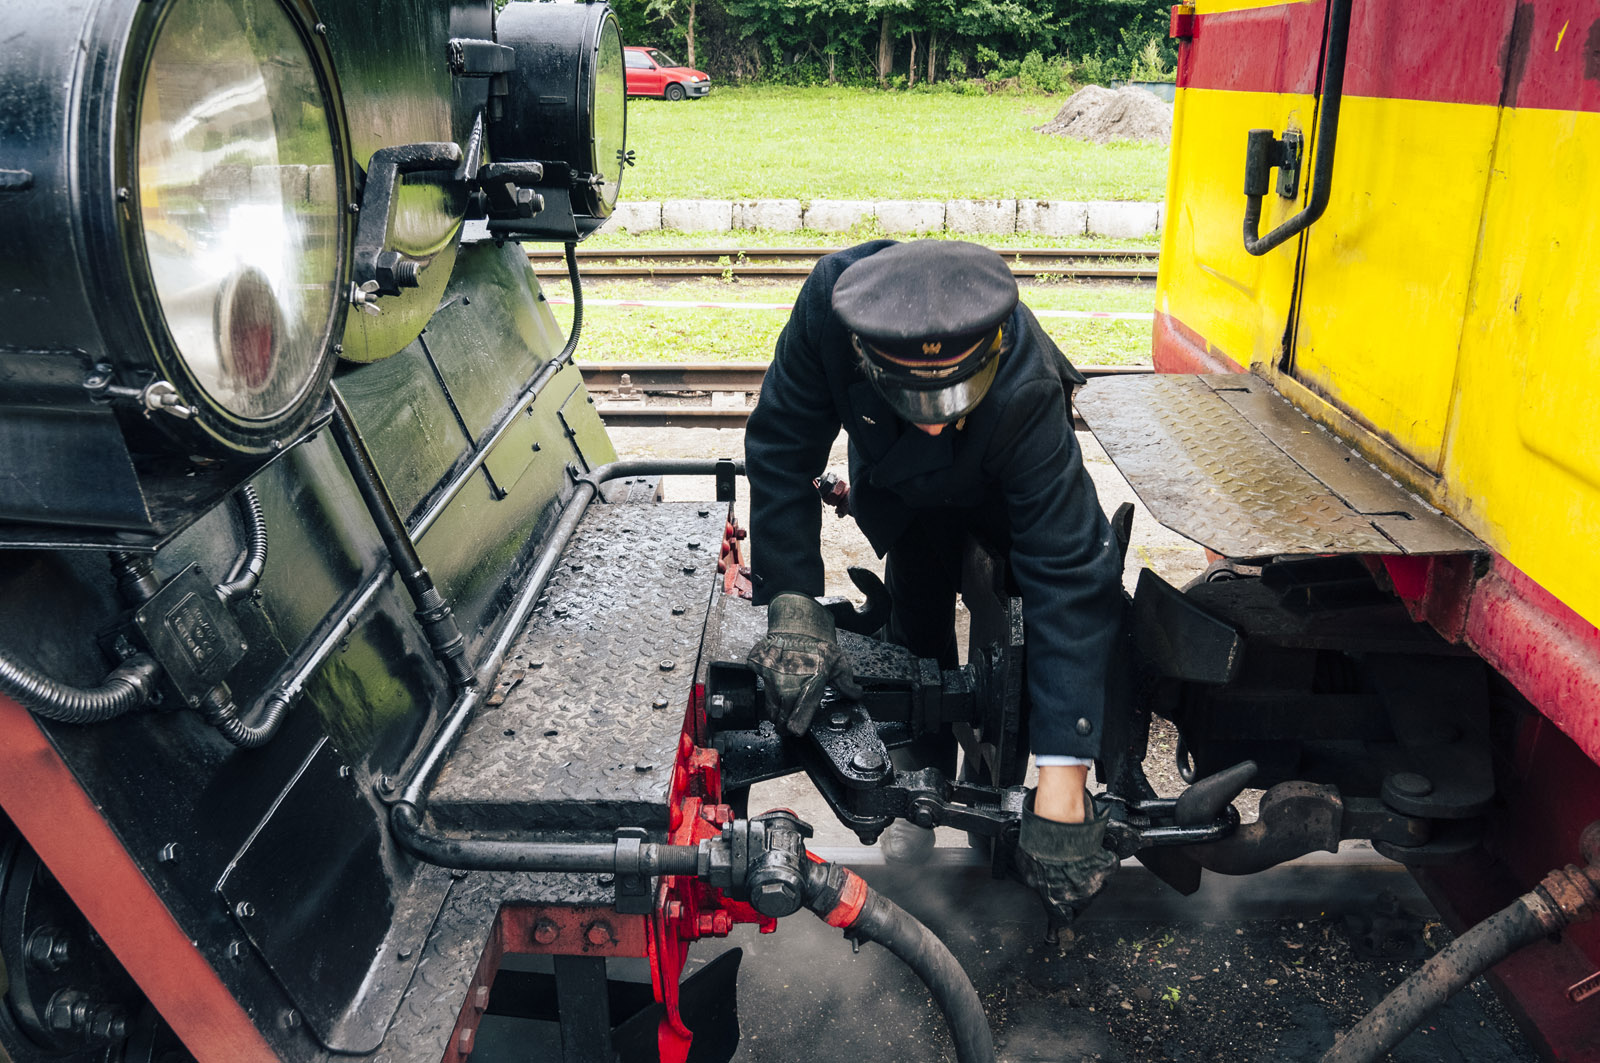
column 341, row 658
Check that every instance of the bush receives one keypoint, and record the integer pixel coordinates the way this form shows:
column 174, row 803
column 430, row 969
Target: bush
column 1038, row 74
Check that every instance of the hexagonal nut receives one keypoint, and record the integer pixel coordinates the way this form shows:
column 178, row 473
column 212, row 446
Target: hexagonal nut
column 775, row 899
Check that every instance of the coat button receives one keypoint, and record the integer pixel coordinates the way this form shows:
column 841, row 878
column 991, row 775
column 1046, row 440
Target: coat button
column 1084, row 726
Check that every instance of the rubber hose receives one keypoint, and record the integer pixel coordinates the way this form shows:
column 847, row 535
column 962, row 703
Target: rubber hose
column 245, row 577
column 222, row 714
column 577, row 305
column 127, row 687
column 843, row 899
column 1464, row 959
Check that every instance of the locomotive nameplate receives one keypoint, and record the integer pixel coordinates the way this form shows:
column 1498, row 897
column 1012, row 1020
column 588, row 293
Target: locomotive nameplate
column 593, row 691
column 1227, row 461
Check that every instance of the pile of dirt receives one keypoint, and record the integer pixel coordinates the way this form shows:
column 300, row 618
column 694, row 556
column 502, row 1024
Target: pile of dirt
column 1101, row 115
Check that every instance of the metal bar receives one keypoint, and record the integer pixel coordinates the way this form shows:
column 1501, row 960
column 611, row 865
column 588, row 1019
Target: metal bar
column 648, row 254
column 584, row 1009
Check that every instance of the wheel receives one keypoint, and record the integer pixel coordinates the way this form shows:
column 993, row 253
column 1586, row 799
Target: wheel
column 674, row 92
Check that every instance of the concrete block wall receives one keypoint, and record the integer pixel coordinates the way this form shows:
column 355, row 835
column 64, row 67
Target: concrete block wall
column 971, row 217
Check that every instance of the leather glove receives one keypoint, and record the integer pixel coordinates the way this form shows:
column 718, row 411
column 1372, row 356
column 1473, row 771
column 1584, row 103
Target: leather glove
column 798, row 657
column 1065, row 863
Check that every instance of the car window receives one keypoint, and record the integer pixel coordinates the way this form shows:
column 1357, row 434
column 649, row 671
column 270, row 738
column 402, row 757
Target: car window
column 661, row 58
column 636, row 61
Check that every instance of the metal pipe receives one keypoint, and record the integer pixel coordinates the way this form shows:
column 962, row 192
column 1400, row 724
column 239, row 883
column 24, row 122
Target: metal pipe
column 432, row 611
column 1334, row 51
column 571, row 347
column 483, row 854
column 1566, row 896
column 247, row 574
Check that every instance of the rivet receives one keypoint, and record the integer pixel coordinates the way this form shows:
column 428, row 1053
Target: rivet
column 694, row 544
column 244, row 909
column 385, row 784
column 705, row 512
column 667, row 666
column 322, row 29
column 659, row 702
column 169, row 853
column 1084, row 726
column 688, row 570
column 678, row 610
column 404, row 954
column 1410, row 784
column 606, row 880
column 235, row 951
column 545, row 931
column 642, row 767
column 288, row 1018
column 839, row 720
column 866, row 760
column 353, row 208
column 576, row 566
column 599, row 933
column 338, row 348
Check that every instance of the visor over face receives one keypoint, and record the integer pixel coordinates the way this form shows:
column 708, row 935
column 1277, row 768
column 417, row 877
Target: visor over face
column 926, row 319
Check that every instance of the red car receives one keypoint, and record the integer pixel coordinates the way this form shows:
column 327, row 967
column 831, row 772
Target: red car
column 653, row 73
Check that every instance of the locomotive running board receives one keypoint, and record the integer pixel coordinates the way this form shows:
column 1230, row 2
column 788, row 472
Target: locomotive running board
column 1226, row 461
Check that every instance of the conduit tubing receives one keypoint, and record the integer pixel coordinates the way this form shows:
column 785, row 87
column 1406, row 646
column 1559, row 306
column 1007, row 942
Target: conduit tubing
column 243, row 579
column 128, row 686
column 1565, row 896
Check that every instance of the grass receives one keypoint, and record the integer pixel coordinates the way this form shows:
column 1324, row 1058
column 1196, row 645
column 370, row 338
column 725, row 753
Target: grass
column 840, row 143
column 759, row 238
column 703, row 334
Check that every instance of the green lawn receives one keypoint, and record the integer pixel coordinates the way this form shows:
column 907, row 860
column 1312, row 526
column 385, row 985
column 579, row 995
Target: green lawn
column 839, row 143
column 702, row 334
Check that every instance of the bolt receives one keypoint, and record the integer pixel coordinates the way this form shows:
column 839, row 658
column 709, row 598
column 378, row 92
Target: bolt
column 678, row 610
column 480, row 997
column 288, row 1018
column 1410, row 784
column 606, row 880
column 344, row 771
column 123, row 195
column 169, row 853
column 322, row 29
column 715, row 924
column 659, row 702
column 688, row 570
column 694, row 544
column 108, row 1023
column 560, row 610
column 867, row 761
column 464, row 1042
column 545, row 931
column 576, row 566
column 244, row 909
column 839, row 720
column 667, row 666
column 338, row 348
column 599, row 933
column 353, row 208
column 404, row 954
column 775, row 899
column 47, row 949
column 385, row 785
column 235, row 951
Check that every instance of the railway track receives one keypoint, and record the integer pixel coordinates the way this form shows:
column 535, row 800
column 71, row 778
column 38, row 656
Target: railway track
column 790, row 263
column 698, row 395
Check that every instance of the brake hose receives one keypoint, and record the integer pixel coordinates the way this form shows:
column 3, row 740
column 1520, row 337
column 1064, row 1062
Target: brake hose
column 577, row 305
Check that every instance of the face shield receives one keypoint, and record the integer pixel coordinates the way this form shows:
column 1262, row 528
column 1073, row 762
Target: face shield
column 933, row 392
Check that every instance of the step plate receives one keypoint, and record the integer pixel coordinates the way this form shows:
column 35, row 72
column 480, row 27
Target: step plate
column 592, row 696
column 1227, row 461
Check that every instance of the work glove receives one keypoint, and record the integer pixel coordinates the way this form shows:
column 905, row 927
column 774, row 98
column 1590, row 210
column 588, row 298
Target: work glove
column 798, row 657
column 1065, row 863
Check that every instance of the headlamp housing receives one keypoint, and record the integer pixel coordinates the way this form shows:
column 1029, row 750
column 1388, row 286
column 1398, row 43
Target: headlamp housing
column 174, row 250
column 567, row 109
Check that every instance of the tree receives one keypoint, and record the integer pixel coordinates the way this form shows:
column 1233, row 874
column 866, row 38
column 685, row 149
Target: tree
column 670, row 11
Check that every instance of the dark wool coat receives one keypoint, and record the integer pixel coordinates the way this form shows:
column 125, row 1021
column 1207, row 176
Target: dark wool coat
column 1016, row 450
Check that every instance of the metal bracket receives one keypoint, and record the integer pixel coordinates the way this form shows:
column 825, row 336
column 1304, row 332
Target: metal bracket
column 385, row 272
column 727, row 480
column 633, row 896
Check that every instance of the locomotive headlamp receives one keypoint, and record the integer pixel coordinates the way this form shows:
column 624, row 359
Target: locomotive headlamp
column 567, row 110
column 173, row 246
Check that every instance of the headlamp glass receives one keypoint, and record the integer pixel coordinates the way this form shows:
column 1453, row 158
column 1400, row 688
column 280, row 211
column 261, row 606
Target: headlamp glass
column 610, row 112
column 239, row 202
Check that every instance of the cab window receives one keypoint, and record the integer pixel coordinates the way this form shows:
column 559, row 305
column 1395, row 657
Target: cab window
column 661, row 58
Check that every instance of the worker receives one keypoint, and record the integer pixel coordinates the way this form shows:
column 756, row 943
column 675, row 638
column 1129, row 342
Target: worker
column 956, row 405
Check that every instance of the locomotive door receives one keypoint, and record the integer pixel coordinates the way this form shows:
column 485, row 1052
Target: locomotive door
column 1387, row 271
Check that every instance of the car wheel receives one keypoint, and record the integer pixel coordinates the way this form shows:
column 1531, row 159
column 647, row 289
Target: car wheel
column 674, row 92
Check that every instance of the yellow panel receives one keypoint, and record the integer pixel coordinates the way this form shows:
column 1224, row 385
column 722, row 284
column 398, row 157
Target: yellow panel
column 1212, row 7
column 1239, row 302
column 1523, row 467
column 1389, row 266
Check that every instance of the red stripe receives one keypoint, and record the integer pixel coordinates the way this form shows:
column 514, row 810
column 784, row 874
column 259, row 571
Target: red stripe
column 1177, row 348
column 44, row 800
column 1427, row 50
column 851, row 900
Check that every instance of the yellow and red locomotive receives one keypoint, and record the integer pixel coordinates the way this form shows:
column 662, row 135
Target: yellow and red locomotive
column 1393, row 364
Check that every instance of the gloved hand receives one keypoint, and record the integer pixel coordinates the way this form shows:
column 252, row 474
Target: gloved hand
column 1065, row 863
column 799, row 656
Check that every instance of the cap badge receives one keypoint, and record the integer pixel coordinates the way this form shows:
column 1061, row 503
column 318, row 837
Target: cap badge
column 935, row 374
column 931, row 348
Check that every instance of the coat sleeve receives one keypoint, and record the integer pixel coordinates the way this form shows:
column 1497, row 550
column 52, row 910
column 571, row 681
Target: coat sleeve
column 786, row 444
column 1066, row 563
